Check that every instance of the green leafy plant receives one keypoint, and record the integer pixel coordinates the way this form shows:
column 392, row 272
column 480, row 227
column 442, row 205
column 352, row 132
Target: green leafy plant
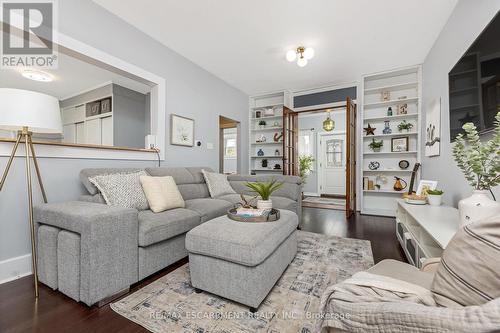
column 264, row 189
column 376, row 144
column 480, row 162
column 404, row 125
column 435, row 192
column 305, row 166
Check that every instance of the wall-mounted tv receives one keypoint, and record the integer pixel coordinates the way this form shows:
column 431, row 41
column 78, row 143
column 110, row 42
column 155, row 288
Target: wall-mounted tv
column 474, row 83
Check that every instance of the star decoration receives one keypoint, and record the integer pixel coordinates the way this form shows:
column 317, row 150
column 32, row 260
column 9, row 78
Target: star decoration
column 370, row 130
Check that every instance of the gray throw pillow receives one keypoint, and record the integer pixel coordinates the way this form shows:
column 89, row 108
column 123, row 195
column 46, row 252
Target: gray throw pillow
column 469, row 273
column 217, row 184
column 122, row 189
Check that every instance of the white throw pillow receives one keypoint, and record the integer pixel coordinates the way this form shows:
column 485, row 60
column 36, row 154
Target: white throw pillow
column 162, row 193
column 122, row 189
column 217, row 184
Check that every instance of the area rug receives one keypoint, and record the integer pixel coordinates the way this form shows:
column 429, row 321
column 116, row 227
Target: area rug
column 170, row 304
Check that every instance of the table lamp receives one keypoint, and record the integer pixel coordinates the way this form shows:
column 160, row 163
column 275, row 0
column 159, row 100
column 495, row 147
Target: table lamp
column 28, row 112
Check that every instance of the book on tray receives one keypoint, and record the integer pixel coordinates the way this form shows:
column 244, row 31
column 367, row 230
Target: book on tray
column 252, row 212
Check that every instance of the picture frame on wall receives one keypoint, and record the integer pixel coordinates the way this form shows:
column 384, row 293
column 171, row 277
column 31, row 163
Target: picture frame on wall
column 426, row 185
column 106, row 105
column 433, row 128
column 399, row 144
column 181, row 131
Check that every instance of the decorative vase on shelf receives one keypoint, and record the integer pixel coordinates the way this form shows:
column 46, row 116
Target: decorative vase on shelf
column 389, row 111
column 264, row 204
column 260, row 152
column 477, row 207
column 387, row 127
column 434, row 199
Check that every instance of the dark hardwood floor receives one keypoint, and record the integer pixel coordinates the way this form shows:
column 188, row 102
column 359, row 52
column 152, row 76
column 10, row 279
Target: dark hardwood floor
column 54, row 312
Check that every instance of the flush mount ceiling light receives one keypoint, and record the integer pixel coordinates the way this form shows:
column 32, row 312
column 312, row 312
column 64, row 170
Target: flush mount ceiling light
column 37, row 75
column 328, row 124
column 302, row 54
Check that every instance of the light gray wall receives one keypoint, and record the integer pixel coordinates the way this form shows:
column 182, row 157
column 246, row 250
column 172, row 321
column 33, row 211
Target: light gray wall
column 190, row 91
column 466, row 23
column 316, row 122
column 129, row 117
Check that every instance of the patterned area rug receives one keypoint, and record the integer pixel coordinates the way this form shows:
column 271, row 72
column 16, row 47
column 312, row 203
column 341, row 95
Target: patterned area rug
column 170, row 304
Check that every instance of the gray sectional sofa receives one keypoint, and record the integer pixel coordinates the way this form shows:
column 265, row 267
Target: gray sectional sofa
column 91, row 251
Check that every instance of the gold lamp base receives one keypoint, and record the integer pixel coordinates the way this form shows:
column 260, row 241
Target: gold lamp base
column 30, row 152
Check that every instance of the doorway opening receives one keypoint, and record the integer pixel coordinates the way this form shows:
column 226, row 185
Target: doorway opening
column 322, row 146
column 229, row 161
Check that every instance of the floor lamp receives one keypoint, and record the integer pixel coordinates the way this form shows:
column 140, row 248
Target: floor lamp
column 28, row 112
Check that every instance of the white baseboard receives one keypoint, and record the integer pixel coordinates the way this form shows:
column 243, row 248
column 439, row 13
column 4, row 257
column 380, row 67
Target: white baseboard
column 311, row 194
column 15, row 268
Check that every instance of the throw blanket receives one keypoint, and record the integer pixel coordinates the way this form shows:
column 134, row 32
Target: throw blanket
column 374, row 303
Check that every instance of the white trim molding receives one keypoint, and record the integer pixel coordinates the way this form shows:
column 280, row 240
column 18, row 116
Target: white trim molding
column 15, row 268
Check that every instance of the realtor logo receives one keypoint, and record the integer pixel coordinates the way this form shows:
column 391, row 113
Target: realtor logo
column 28, row 37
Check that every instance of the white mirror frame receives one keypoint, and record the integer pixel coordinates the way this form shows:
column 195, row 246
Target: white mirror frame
column 158, row 114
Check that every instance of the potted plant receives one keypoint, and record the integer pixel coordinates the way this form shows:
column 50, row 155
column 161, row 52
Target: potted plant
column 480, row 164
column 434, row 197
column 404, row 125
column 262, row 124
column 305, row 166
column 264, row 190
column 376, row 145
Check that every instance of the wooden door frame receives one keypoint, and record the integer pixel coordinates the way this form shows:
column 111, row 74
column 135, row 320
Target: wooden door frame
column 350, row 186
column 319, row 135
column 222, row 126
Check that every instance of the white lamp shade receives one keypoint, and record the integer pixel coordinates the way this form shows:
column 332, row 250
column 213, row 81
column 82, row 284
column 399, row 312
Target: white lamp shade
column 23, row 108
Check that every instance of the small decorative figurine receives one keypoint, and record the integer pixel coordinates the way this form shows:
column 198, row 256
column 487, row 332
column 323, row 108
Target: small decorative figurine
column 277, row 152
column 277, row 167
column 260, row 152
column 374, row 165
column 264, row 163
column 389, row 111
column 385, row 96
column 387, row 128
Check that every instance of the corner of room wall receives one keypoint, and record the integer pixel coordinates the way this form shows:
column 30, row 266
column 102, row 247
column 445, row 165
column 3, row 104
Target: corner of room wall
column 466, row 22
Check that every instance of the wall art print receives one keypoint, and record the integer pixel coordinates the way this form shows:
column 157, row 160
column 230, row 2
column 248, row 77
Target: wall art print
column 433, row 128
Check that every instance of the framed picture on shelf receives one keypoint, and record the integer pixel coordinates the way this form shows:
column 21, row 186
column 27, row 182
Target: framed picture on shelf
column 106, row 105
column 181, row 131
column 426, row 185
column 402, row 109
column 399, row 144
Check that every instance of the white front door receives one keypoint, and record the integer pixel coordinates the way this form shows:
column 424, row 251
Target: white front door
column 332, row 159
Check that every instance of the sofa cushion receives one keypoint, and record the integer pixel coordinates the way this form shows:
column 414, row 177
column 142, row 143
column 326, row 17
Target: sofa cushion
column 217, row 184
column 162, row 193
column 85, row 174
column 244, row 243
column 157, row 227
column 402, row 271
column 469, row 273
column 284, row 203
column 189, row 180
column 122, row 189
column 208, row 208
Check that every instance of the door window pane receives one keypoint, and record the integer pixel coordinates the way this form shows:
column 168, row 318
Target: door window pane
column 334, row 153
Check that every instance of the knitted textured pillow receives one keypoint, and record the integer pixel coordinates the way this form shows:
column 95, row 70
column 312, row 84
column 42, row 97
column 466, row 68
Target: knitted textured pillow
column 469, row 273
column 122, row 189
column 217, row 184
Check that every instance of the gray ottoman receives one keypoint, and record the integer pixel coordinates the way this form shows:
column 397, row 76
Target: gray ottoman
column 241, row 261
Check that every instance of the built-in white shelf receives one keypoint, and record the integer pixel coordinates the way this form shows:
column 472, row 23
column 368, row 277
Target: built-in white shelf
column 391, row 102
column 268, row 156
column 393, row 87
column 268, row 117
column 267, row 143
column 390, row 152
column 278, row 128
column 267, row 106
column 405, row 87
column 395, row 117
column 389, row 135
column 384, row 191
column 387, row 170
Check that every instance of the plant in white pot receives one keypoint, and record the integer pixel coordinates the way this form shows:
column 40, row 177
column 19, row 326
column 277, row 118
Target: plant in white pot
column 434, row 197
column 264, row 190
column 480, row 163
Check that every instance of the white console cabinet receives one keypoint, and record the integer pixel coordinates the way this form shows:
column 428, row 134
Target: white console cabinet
column 424, row 231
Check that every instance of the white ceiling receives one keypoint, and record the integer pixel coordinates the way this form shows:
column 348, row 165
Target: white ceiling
column 244, row 42
column 72, row 77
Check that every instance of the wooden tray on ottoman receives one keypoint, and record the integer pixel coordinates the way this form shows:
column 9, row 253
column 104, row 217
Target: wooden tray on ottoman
column 274, row 215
